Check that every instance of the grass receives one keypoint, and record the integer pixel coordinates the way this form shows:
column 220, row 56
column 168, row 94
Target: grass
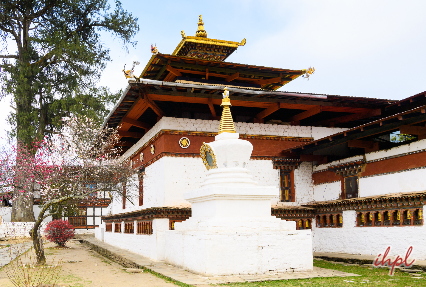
column 369, row 276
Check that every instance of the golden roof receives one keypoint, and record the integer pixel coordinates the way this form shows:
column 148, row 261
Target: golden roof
column 201, row 47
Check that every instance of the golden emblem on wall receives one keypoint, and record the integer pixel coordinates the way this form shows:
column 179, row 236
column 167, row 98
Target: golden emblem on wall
column 141, row 156
column 152, row 149
column 208, row 156
column 184, row 142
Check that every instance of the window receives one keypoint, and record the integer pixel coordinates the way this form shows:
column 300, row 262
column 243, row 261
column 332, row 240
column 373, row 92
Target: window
column 350, row 187
column 287, row 190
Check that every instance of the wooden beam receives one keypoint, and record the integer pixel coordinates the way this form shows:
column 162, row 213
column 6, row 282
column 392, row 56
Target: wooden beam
column 310, row 157
column 350, row 118
column 412, row 130
column 368, row 146
column 232, row 77
column 269, row 81
column 153, row 105
column 129, row 134
column 207, row 74
column 306, row 114
column 173, row 71
column 136, row 123
column 273, row 108
column 212, row 110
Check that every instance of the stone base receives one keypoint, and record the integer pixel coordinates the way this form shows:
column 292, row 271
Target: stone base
column 214, row 251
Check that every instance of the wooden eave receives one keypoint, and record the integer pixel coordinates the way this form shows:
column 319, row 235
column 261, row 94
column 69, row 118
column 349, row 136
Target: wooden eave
column 145, row 101
column 165, row 67
column 369, row 199
column 375, row 128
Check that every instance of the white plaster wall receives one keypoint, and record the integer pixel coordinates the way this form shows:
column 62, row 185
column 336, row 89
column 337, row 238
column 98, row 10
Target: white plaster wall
column 6, row 214
column 303, row 184
column 181, row 176
column 370, row 240
column 18, row 229
column 407, row 181
column 327, row 191
column 168, row 123
column 415, row 146
column 151, row 246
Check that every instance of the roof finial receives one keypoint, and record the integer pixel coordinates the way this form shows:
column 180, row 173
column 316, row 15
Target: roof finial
column 201, row 32
column 226, row 121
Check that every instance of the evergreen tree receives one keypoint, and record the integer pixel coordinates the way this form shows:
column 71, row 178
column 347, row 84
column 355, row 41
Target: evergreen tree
column 57, row 63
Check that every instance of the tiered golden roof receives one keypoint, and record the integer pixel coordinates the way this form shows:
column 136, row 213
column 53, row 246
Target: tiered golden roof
column 226, row 121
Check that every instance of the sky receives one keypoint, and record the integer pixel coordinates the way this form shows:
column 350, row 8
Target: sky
column 372, row 49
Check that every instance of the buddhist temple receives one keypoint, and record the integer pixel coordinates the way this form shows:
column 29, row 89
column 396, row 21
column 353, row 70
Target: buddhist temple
column 351, row 170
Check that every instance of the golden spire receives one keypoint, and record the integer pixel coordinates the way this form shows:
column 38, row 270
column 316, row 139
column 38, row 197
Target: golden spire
column 201, row 32
column 226, row 121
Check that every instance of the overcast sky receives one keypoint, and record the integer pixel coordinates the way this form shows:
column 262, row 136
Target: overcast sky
column 358, row 48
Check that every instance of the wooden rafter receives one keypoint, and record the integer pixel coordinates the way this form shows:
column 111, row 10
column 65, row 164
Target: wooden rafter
column 368, row 146
column 273, row 108
column 173, row 71
column 350, row 118
column 306, row 114
column 136, row 123
column 152, row 105
column 412, row 130
column 211, row 107
column 232, row 77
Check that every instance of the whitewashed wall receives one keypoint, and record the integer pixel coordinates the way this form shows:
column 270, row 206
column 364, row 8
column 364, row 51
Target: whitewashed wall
column 404, row 181
column 151, row 246
column 370, row 240
column 18, row 229
column 6, row 214
column 168, row 123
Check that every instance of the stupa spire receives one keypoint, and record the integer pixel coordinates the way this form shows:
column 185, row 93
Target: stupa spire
column 226, row 121
column 201, row 32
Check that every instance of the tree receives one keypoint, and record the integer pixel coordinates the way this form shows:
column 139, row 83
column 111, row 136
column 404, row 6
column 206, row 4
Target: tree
column 65, row 165
column 54, row 65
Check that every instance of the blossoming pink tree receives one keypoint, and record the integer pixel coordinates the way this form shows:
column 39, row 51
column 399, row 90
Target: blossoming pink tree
column 64, row 167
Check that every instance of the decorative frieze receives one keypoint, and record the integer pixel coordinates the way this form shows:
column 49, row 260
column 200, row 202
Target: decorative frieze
column 173, row 213
column 286, row 164
column 301, row 215
column 349, row 168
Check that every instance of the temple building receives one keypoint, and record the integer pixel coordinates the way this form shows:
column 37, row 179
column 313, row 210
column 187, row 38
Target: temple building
column 351, row 169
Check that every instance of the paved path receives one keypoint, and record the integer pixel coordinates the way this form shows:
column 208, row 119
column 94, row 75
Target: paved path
column 7, row 254
column 133, row 260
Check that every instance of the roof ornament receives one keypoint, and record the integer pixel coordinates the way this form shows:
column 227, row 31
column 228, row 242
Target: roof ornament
column 243, row 42
column 201, row 32
column 154, row 49
column 226, row 122
column 183, row 34
column 129, row 73
column 309, row 72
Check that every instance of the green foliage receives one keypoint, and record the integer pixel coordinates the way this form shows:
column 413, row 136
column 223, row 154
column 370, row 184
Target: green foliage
column 58, row 60
column 400, row 138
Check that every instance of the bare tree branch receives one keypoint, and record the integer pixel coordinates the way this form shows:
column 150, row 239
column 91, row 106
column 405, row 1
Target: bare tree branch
column 9, row 56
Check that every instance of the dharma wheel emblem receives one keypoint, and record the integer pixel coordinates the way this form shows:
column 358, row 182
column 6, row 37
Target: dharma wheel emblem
column 141, row 156
column 184, row 142
column 152, row 149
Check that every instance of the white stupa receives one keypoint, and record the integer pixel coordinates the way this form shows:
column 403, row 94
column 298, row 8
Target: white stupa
column 231, row 230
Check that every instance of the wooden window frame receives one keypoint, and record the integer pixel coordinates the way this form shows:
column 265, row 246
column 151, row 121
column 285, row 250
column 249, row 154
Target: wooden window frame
column 344, row 192
column 290, row 186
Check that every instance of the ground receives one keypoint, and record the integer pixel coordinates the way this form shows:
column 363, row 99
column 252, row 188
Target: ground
column 80, row 266
column 83, row 267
